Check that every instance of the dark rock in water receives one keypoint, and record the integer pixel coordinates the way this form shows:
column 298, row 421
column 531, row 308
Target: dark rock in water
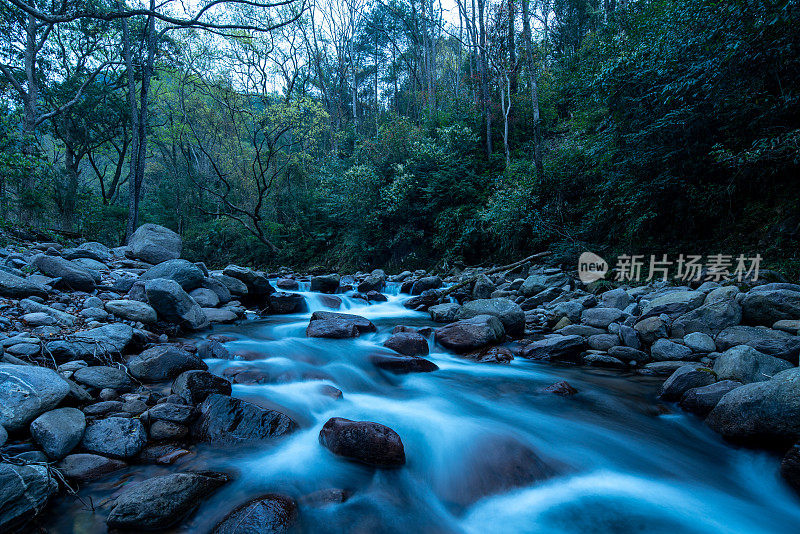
column 59, row 431
column 102, row 376
column 184, row 272
column 603, row 360
column 16, row 287
column 509, row 313
column 764, row 340
column 162, row 453
column 287, row 302
column 702, row 400
column 167, row 430
column 196, row 386
column 287, row 283
column 403, row 364
column 258, row 285
column 71, row 274
column 423, row 301
column 270, row 514
column 163, row 362
column 161, row 502
column 408, row 343
column 555, row 347
column 212, row 348
column 374, row 296
column 27, row 391
column 425, row 284
column 226, row 420
column 325, row 284
column 562, row 389
column 24, row 491
column 86, row 467
column 685, row 378
column 153, row 243
column 470, row 334
column 325, row 497
column 491, row 355
column 174, row 305
column 363, row 441
column 790, row 467
column 115, row 437
column 444, row 313
column 745, row 364
column 331, row 301
column 338, row 325
column 374, row 282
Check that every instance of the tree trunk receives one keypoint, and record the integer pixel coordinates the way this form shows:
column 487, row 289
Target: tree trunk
column 487, row 110
column 537, row 133
column 512, row 47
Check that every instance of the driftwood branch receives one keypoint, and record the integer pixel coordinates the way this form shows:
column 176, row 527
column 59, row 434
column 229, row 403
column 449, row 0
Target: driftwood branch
column 472, row 279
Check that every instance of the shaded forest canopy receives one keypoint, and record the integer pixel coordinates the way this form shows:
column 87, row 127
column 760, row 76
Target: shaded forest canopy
column 393, row 133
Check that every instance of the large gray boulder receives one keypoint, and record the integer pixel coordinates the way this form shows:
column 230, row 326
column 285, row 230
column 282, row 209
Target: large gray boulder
column 602, row 317
column 186, row 273
column 195, row 386
column 470, row 334
column 132, row 310
column 363, row 441
column 664, row 349
column 765, row 307
column 258, row 285
column 762, row 413
column 84, row 467
column 16, row 287
column 71, row 274
column 556, row 347
column 174, row 305
column 103, row 377
column 163, row 501
column 765, row 340
column 683, row 379
column 110, row 339
column 615, row 298
column 59, row 431
column 27, row 391
column 163, row 362
column 425, row 284
column 673, row 302
column 701, row 400
column 711, row 318
column 509, row 313
column 444, row 313
column 24, row 492
column 154, row 244
column 537, row 283
column 115, row 437
column 745, row 364
column 338, row 325
column 226, row 420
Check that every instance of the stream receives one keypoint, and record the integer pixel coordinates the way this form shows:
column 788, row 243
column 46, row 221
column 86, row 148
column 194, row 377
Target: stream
column 617, row 459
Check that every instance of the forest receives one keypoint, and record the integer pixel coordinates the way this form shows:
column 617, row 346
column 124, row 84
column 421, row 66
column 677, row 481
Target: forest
column 404, row 133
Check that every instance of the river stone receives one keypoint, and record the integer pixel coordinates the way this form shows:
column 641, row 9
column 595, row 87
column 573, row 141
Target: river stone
column 763, row 413
column 374, row 282
column 483, row 287
column 233, row 285
column 603, row 341
column 85, row 467
column 408, row 343
column 31, row 306
column 745, row 364
column 328, row 283
column 172, row 412
column 288, row 283
column 602, row 360
column 761, row 307
column 195, row 386
column 701, row 400
column 555, row 347
column 94, row 250
column 708, row 319
column 102, row 376
column 24, row 492
column 664, row 349
column 791, row 326
column 132, row 310
column 163, row 362
column 400, row 365
column 790, row 467
column 16, row 287
column 163, row 501
column 444, row 313
column 27, row 391
column 615, row 298
column 107, row 340
column 59, row 431
column 536, row 283
column 490, row 355
column 699, row 342
column 221, row 291
column 363, row 441
column 154, row 244
column 425, row 284
column 664, row 368
column 765, row 340
column 219, row 315
column 629, row 337
column 184, row 272
column 651, row 329
column 683, row 379
column 270, row 514
column 509, row 313
column 225, row 420
column 173, row 304
column 338, row 325
column 673, row 302
column 582, row 330
column 470, row 334
column 115, row 437
column 629, row 354
column 601, row 317
column 281, row 302
column 72, row 275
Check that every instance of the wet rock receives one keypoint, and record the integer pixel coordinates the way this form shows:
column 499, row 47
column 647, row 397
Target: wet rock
column 167, row 430
column 270, row 514
column 683, row 379
column 483, row 288
column 85, row 467
column 765, row 307
column 325, row 284
column 628, row 354
column 16, row 287
column 219, row 315
column 790, row 467
column 374, row 282
column 491, row 355
column 745, row 364
column 403, row 364
column 444, row 313
column 108, row 340
column 59, row 431
column 154, row 244
column 287, row 283
column 423, row 301
column 224, row 420
column 185, row 273
column 509, row 313
column 115, row 437
column 331, row 301
column 708, row 319
column 287, row 302
column 71, row 275
column 163, row 362
column 603, row 360
column 196, row 386
column 664, row 349
column 408, row 343
column 363, row 441
column 173, row 304
column 101, row 376
column 562, row 389
column 162, row 453
column 425, row 284
column 338, row 325
column 701, row 400
column 764, row 340
column 470, row 334
column 24, row 492
column 161, row 502
column 27, row 391
column 629, row 337
column 555, row 347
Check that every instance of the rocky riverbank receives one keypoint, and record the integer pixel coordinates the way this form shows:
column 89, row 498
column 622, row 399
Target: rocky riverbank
column 94, row 380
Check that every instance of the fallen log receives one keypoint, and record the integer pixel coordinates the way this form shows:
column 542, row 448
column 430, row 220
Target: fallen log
column 472, row 279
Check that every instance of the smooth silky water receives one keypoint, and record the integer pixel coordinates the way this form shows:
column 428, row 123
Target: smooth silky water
column 623, row 461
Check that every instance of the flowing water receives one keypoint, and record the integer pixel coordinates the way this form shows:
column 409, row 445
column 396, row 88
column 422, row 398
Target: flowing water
column 620, row 461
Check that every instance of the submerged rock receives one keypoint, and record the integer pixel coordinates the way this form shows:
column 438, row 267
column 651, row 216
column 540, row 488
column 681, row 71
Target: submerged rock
column 338, row 325
column 24, row 491
column 470, row 334
column 403, row 364
column 270, row 514
column 363, row 441
column 226, row 420
column 115, row 437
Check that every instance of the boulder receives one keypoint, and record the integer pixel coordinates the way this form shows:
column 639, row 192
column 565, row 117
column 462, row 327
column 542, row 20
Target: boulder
column 699, row 342
column 115, row 437
column 467, row 335
column 683, row 379
column 602, row 317
column 24, row 492
column 490, row 355
column 185, row 273
column 363, row 441
column 629, row 354
column 16, row 287
column 195, row 386
column 602, row 360
column 132, row 310
column 328, row 283
column 664, row 349
column 766, row 307
column 555, row 347
column 174, row 305
column 163, row 501
column 483, row 288
column 94, row 250
column 270, row 514
column 233, row 285
column 408, row 343
column 745, row 364
column 603, row 341
column 701, row 400
column 651, row 329
column 154, row 244
column 288, row 283
column 281, row 302
column 220, row 315
column 709, row 319
column 258, row 286
column 103, row 377
column 675, row 302
column 107, row 340
column 444, row 313
column 71, row 275
column 204, row 297
column 537, row 283
column 765, row 340
column 338, row 325
column 401, row 365
column 221, row 291
column 376, row 281
column 425, row 284
column 225, row 420
column 615, row 298
column 509, row 313
column 59, row 431
column 85, row 467
column 27, row 391
column 163, row 362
